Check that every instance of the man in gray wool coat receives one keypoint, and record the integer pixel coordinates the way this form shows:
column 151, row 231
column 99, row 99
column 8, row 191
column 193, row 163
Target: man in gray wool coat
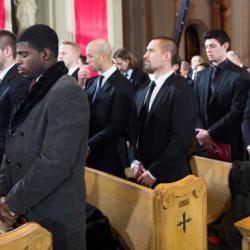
column 42, row 173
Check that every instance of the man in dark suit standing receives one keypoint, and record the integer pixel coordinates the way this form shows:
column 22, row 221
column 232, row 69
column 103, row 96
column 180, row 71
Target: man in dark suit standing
column 222, row 92
column 167, row 114
column 111, row 100
column 12, row 85
column 42, row 172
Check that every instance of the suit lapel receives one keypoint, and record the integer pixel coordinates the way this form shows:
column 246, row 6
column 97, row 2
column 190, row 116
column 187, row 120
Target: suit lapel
column 222, row 79
column 160, row 95
column 107, row 85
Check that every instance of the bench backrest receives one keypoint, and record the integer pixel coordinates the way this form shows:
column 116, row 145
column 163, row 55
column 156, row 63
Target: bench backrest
column 216, row 175
column 30, row 236
column 169, row 217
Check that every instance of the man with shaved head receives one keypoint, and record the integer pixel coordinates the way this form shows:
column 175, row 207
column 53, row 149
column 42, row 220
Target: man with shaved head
column 110, row 98
column 167, row 113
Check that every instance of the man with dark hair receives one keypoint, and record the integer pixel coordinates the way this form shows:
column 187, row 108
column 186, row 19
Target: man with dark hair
column 164, row 139
column 12, row 85
column 43, row 166
column 222, row 92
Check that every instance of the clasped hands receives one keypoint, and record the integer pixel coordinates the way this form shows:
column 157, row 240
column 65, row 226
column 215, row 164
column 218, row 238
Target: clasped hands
column 205, row 139
column 7, row 217
column 142, row 175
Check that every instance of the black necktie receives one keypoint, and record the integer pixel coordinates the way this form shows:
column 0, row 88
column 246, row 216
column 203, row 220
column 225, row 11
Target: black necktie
column 145, row 107
column 98, row 87
column 214, row 75
column 149, row 94
column 125, row 74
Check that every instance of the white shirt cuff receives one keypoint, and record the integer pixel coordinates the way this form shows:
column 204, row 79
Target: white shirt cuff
column 151, row 175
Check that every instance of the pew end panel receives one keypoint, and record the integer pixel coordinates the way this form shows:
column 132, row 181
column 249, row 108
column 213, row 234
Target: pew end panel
column 30, row 236
column 181, row 214
column 244, row 227
column 169, row 217
column 216, row 175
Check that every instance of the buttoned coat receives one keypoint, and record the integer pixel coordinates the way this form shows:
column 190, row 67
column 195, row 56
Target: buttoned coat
column 42, row 173
column 109, row 121
column 222, row 113
column 165, row 137
column 12, row 88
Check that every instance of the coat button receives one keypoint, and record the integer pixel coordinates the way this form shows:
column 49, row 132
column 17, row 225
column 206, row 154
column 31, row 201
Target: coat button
column 7, row 160
column 18, row 165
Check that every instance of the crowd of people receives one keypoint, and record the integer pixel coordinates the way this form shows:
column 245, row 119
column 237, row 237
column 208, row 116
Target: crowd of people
column 60, row 110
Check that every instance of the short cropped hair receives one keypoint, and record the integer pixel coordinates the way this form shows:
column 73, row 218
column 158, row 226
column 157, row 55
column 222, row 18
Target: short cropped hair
column 125, row 54
column 74, row 45
column 39, row 37
column 170, row 45
column 220, row 35
column 7, row 38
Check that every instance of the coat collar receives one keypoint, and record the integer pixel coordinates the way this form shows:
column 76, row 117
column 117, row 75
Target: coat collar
column 42, row 87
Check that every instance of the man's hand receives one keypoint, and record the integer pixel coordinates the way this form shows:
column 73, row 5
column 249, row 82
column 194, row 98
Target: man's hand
column 138, row 170
column 146, row 180
column 204, row 139
column 6, row 216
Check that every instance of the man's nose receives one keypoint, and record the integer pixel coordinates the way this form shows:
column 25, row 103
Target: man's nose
column 18, row 60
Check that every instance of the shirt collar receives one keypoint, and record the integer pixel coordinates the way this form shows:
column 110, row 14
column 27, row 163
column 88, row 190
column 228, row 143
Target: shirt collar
column 163, row 78
column 223, row 64
column 129, row 73
column 109, row 72
column 5, row 71
column 72, row 70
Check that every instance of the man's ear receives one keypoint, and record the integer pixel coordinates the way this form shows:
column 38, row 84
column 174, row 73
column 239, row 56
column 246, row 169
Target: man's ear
column 47, row 54
column 8, row 51
column 226, row 45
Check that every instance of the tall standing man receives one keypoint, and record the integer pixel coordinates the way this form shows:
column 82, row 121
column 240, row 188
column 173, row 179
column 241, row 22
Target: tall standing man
column 111, row 99
column 43, row 167
column 222, row 93
column 12, row 85
column 166, row 119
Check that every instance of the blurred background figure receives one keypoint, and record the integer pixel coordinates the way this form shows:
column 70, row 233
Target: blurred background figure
column 83, row 73
column 177, row 65
column 69, row 53
column 195, row 61
column 184, row 69
column 201, row 67
column 127, row 63
column 234, row 58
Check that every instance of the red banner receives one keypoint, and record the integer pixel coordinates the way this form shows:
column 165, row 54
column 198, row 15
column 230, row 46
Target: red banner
column 90, row 21
column 2, row 15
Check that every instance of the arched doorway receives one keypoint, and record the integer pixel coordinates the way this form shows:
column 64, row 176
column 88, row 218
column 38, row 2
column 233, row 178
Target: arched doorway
column 192, row 43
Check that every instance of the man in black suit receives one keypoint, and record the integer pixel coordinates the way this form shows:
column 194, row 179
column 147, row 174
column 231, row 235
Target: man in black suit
column 222, row 92
column 69, row 53
column 12, row 85
column 167, row 113
column 111, row 100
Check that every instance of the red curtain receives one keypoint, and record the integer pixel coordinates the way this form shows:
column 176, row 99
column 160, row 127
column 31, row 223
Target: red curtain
column 90, row 21
column 2, row 15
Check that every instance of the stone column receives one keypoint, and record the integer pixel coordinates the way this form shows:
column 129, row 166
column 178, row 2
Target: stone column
column 241, row 29
column 114, row 22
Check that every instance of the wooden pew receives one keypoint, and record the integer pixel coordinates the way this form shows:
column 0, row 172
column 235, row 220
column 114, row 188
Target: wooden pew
column 216, row 175
column 172, row 216
column 30, row 236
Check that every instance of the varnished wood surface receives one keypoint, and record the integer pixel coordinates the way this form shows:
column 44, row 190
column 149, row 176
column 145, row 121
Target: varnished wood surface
column 152, row 219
